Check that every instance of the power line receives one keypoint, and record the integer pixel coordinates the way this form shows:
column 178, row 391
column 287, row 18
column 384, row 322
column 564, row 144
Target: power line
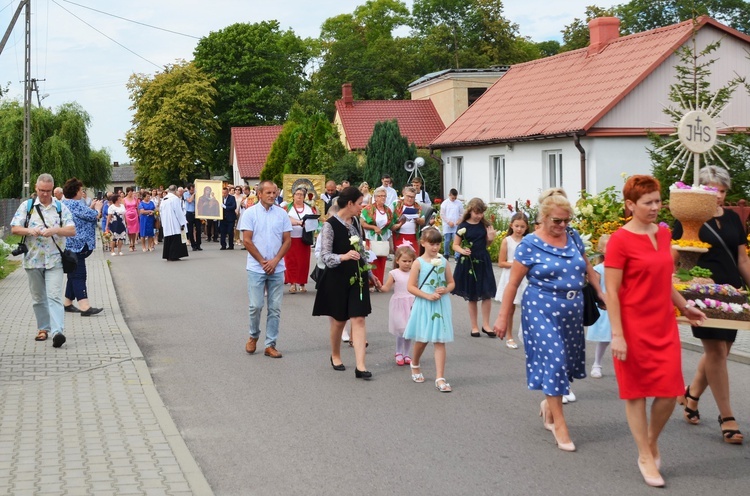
column 106, row 36
column 131, row 20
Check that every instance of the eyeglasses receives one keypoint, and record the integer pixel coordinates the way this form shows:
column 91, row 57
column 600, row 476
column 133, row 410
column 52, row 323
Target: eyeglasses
column 557, row 221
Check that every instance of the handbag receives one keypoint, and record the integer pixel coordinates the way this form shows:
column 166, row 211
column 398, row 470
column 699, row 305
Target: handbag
column 380, row 248
column 307, row 237
column 590, row 306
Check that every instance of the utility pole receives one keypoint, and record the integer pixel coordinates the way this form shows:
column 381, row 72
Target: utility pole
column 26, row 177
column 26, row 168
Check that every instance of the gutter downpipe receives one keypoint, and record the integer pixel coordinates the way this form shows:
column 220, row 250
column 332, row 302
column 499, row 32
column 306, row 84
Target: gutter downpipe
column 577, row 141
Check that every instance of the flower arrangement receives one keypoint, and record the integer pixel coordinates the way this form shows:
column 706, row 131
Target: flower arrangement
column 680, row 185
column 357, row 278
column 466, row 245
column 709, row 303
column 600, row 214
column 688, row 243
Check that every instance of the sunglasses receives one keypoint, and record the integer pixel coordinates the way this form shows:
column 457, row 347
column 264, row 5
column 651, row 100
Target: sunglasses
column 557, row 221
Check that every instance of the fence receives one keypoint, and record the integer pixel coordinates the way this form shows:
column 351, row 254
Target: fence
column 8, row 207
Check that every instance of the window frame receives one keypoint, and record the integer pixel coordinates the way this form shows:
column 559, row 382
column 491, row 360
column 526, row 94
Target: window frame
column 552, row 159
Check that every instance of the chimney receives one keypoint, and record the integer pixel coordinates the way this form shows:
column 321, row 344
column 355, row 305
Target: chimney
column 346, row 94
column 602, row 30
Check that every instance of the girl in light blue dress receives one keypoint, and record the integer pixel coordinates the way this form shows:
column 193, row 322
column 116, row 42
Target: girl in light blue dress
column 431, row 319
column 600, row 331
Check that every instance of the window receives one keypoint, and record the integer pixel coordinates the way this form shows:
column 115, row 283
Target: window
column 474, row 93
column 552, row 172
column 497, row 176
column 458, row 174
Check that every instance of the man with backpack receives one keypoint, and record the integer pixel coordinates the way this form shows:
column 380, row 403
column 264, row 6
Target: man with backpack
column 43, row 223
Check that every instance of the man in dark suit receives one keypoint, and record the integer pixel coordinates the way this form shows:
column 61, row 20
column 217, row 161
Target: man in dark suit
column 226, row 227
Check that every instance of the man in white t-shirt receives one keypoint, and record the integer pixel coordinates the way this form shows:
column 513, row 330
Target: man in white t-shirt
column 391, row 194
column 451, row 211
column 422, row 197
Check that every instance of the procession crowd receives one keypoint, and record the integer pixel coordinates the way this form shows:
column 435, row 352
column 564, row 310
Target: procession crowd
column 544, row 271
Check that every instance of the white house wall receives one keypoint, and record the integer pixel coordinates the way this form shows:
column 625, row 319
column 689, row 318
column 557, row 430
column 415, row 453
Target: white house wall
column 606, row 160
column 643, row 107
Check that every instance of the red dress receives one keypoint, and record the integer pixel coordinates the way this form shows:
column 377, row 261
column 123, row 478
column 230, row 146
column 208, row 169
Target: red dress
column 653, row 366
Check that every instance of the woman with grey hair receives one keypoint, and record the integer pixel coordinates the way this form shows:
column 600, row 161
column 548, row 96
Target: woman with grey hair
column 729, row 264
column 377, row 220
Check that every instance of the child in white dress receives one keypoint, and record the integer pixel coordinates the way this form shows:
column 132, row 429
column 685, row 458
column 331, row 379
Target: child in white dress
column 401, row 302
column 431, row 319
column 519, row 227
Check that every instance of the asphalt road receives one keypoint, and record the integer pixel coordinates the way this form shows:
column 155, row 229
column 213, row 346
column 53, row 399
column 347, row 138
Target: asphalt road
column 293, row 425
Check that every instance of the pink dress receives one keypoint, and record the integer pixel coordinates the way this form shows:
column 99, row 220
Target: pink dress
column 132, row 218
column 399, row 308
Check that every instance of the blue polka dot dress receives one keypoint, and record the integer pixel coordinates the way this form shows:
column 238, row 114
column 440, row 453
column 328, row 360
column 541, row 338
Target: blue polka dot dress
column 552, row 313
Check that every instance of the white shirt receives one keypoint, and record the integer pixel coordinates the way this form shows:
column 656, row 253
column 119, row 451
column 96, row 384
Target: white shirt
column 297, row 215
column 391, row 196
column 451, row 210
column 172, row 215
column 268, row 227
column 424, row 198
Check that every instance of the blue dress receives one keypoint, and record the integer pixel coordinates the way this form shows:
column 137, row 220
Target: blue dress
column 600, row 330
column 147, row 221
column 431, row 321
column 475, row 279
column 552, row 312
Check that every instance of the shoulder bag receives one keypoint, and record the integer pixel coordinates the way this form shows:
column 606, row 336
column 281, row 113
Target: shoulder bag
column 69, row 259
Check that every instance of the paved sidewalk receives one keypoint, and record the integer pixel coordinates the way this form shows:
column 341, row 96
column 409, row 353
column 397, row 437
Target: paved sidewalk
column 85, row 418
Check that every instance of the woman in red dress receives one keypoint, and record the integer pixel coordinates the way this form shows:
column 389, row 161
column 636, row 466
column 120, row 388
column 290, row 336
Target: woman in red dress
column 645, row 340
column 297, row 259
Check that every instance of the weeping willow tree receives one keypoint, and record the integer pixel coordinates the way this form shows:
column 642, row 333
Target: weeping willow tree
column 59, row 146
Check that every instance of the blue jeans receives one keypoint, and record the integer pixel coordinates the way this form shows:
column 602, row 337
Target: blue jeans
column 257, row 285
column 46, row 287
column 448, row 244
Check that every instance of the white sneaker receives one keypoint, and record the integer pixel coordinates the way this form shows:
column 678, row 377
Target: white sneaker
column 569, row 398
column 596, row 372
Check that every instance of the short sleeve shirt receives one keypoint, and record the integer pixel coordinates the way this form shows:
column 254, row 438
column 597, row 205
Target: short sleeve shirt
column 268, row 227
column 42, row 252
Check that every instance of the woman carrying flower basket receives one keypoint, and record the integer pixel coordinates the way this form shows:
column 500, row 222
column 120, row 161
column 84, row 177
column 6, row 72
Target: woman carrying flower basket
column 729, row 264
column 377, row 220
column 342, row 288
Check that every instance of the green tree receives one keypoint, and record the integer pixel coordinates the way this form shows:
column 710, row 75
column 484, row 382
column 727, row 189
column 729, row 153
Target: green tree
column 692, row 89
column 258, row 72
column 174, row 124
column 576, row 34
column 643, row 15
column 59, row 146
column 308, row 144
column 387, row 151
column 360, row 48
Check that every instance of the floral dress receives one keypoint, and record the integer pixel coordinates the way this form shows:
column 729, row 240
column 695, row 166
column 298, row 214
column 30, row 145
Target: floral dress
column 431, row 321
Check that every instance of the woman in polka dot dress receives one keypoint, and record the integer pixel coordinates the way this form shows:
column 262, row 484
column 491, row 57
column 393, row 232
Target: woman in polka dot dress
column 553, row 259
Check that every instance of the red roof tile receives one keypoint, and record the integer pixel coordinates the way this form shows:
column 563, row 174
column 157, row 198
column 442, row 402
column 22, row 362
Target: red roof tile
column 417, row 120
column 252, row 146
column 569, row 92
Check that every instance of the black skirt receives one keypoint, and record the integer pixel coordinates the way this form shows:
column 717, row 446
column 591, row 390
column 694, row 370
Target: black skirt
column 174, row 248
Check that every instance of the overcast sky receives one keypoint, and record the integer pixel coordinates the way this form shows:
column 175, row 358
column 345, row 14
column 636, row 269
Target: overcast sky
column 77, row 63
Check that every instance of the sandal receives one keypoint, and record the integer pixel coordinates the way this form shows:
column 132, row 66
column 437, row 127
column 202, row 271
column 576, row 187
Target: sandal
column 293, row 289
column 418, row 378
column 400, row 359
column 444, row 387
column 511, row 344
column 41, row 335
column 691, row 416
column 407, row 360
column 731, row 436
column 302, row 289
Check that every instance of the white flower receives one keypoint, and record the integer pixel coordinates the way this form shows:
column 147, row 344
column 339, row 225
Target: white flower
column 461, row 231
column 354, row 240
column 587, row 210
column 437, row 262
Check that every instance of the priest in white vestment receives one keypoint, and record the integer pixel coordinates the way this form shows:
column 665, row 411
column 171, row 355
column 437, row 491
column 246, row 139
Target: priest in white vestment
column 173, row 223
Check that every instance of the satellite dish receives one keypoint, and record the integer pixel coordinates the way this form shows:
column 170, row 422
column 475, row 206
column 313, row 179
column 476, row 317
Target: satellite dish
column 419, row 162
column 410, row 165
